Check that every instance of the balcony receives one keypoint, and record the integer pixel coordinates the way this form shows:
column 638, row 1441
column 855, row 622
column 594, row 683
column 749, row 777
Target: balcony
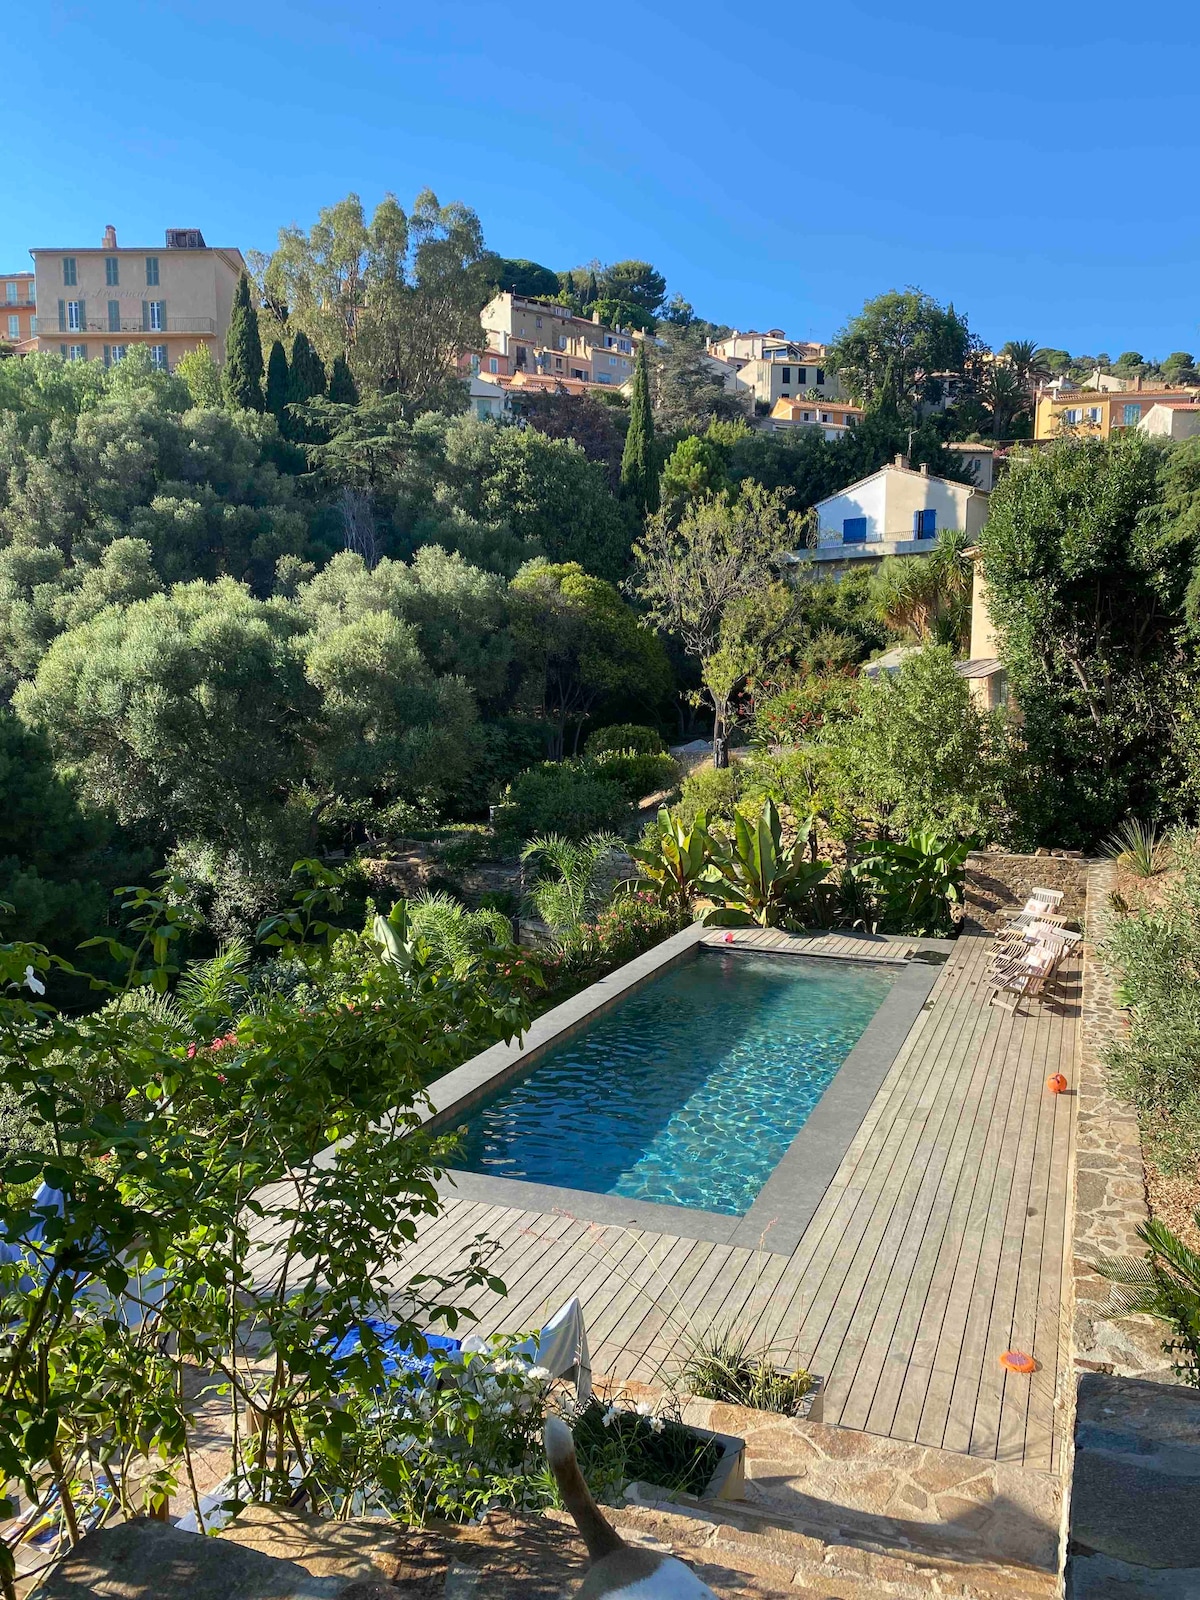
column 135, row 325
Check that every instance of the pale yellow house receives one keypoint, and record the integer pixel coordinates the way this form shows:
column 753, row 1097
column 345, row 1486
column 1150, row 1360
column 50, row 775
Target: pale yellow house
column 94, row 303
column 834, row 418
column 18, row 310
column 1099, row 413
column 773, row 367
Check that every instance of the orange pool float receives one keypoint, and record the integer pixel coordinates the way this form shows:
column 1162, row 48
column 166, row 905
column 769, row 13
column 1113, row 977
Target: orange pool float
column 1056, row 1083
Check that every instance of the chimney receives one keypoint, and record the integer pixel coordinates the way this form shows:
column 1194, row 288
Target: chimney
column 595, row 316
column 901, row 461
column 924, row 469
column 109, row 242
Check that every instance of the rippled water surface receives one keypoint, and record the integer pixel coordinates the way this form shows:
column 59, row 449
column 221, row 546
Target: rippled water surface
column 689, row 1091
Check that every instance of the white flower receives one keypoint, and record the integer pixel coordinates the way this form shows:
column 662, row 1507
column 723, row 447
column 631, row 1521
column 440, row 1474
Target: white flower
column 609, row 1417
column 32, row 981
column 539, row 1374
column 644, row 1409
column 656, row 1424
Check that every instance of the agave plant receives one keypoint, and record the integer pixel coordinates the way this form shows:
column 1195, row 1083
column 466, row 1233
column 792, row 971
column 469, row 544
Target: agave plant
column 1166, row 1285
column 673, row 859
column 757, row 882
column 1137, row 846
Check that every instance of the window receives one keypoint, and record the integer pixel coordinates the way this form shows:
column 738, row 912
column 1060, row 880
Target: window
column 1073, row 416
column 77, row 352
column 786, row 375
column 612, row 361
column 820, row 377
column 924, row 524
column 114, row 353
column 625, row 345
column 152, row 272
column 1094, row 414
column 786, row 395
column 69, row 271
column 603, row 377
column 14, row 327
column 114, row 316
column 522, row 355
column 578, row 372
column 10, row 293
column 493, row 364
column 558, row 363
column 562, row 341
column 74, row 316
column 854, row 530
column 112, row 271
column 156, row 320
column 1131, row 415
column 824, row 416
column 158, row 357
column 808, row 416
column 538, row 320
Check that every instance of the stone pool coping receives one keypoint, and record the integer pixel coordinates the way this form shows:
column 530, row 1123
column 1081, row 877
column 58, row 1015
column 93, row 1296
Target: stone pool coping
column 789, row 1198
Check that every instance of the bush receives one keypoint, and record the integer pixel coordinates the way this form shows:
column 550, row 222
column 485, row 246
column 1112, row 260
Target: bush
column 627, row 736
column 563, row 797
column 713, row 791
column 1156, row 955
column 639, row 773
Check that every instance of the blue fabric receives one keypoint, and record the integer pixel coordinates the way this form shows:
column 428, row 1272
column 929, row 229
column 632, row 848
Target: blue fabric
column 45, row 1200
column 398, row 1357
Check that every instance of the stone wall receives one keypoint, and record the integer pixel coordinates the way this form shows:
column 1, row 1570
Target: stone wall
column 997, row 883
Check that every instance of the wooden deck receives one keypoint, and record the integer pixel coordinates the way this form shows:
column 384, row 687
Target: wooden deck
column 938, row 1245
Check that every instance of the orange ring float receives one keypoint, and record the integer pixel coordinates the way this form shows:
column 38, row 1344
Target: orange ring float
column 1018, row 1361
column 1056, row 1083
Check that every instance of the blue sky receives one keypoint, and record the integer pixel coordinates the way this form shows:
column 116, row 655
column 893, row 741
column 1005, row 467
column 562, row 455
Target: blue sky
column 1034, row 163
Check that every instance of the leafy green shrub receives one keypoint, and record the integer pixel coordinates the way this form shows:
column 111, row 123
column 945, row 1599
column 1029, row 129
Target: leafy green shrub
column 627, row 736
column 715, row 792
column 617, row 1447
column 563, row 797
column 914, row 882
column 757, row 882
column 1156, row 957
column 639, row 773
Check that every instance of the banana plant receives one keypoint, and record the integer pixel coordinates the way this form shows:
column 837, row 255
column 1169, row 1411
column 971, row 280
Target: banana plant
column 757, row 883
column 674, row 859
column 917, row 880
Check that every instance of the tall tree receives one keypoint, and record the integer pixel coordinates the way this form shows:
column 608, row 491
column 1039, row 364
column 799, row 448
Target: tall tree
column 712, row 580
column 639, row 470
column 277, row 380
column 1086, row 575
column 306, row 372
column 901, row 340
column 342, row 388
column 398, row 296
column 636, row 283
column 243, row 373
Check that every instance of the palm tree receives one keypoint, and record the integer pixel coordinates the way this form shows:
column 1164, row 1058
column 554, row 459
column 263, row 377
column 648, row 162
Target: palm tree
column 1026, row 359
column 575, row 878
column 927, row 597
column 1005, row 396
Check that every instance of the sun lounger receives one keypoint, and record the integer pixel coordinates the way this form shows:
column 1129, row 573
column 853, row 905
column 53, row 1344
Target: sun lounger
column 1022, row 973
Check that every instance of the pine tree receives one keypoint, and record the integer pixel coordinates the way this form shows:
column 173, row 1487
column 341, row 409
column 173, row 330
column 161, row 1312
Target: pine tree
column 342, row 387
column 242, row 378
column 306, row 373
column 639, row 472
column 277, row 380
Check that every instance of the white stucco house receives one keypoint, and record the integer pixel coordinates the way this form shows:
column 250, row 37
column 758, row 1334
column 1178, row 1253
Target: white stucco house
column 894, row 512
column 1172, row 420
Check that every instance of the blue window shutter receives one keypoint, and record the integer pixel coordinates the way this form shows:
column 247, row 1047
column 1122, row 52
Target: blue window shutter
column 916, row 524
column 145, row 316
column 114, row 316
column 62, row 320
column 931, row 522
column 62, row 350
column 83, row 316
column 854, row 530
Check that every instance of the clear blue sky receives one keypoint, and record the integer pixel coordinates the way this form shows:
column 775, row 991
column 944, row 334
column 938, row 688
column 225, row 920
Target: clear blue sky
column 1035, row 163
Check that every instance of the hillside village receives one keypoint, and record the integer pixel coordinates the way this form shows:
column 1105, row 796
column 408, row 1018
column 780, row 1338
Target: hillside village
column 669, row 898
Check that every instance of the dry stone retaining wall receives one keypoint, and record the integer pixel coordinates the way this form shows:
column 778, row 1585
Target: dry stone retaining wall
column 997, row 883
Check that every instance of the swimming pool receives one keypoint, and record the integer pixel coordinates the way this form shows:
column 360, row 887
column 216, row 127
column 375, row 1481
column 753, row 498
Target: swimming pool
column 690, row 1089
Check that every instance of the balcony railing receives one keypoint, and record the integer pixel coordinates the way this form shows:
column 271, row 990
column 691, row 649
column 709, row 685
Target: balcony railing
column 136, row 325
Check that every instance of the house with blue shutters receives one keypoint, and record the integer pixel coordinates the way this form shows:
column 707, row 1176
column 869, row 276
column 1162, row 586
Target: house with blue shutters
column 895, row 512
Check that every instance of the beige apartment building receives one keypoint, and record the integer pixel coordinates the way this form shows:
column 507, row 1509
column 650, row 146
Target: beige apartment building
column 18, row 310
column 774, row 367
column 94, row 303
column 530, row 338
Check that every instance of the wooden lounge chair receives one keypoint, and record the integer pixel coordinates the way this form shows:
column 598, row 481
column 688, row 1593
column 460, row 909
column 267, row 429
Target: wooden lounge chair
column 1022, row 972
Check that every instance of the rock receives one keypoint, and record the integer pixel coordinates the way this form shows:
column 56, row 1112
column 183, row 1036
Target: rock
column 359, row 1549
column 147, row 1560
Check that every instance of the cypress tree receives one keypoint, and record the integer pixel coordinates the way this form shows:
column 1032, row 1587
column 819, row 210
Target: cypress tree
column 639, row 474
column 342, row 387
column 242, row 378
column 306, row 373
column 593, row 290
column 277, row 380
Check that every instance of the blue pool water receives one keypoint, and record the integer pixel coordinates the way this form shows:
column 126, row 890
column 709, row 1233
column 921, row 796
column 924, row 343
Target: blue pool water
column 687, row 1092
